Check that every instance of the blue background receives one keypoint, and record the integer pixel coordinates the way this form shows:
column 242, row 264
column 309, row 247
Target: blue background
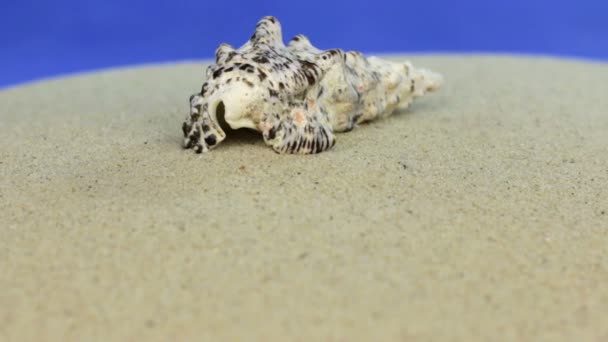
column 47, row 38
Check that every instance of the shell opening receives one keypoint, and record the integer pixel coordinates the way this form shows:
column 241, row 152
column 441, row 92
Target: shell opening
column 220, row 117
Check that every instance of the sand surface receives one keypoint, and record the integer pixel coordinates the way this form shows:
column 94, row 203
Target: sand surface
column 480, row 214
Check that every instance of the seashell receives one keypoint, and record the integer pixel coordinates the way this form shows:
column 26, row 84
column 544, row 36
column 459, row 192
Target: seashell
column 297, row 96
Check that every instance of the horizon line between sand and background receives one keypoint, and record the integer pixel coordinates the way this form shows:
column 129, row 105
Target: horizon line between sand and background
column 77, row 72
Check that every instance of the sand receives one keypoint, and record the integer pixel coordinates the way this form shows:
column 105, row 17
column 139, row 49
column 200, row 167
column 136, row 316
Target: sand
column 480, row 214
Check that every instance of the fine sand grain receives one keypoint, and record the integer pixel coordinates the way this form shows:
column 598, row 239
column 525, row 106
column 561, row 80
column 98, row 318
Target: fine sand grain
column 480, row 214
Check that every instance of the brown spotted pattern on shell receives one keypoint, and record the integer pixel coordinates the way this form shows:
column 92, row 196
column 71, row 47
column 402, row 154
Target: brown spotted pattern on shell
column 297, row 96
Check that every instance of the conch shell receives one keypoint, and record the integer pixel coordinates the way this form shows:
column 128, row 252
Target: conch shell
column 297, row 96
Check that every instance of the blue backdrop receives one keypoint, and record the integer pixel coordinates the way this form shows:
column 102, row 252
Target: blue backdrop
column 46, row 38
